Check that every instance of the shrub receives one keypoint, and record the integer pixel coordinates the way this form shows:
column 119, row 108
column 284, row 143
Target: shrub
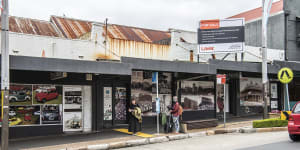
column 267, row 123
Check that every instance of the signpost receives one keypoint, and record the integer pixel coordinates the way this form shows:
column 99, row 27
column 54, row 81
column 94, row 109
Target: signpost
column 221, row 79
column 285, row 76
column 221, row 36
column 4, row 73
column 266, row 6
column 155, row 80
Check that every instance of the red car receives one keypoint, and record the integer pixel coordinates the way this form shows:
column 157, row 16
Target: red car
column 294, row 123
column 46, row 96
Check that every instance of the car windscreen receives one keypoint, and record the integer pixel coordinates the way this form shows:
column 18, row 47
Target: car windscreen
column 297, row 109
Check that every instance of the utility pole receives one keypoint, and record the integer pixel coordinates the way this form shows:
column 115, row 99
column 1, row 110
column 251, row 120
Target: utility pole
column 4, row 74
column 266, row 7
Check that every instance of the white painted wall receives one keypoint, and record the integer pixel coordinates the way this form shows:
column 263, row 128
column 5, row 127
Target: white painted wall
column 87, row 108
column 93, row 48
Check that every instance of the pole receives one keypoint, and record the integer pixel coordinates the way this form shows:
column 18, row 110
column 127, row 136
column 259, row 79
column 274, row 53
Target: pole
column 224, row 109
column 5, row 74
column 287, row 97
column 264, row 61
column 157, row 115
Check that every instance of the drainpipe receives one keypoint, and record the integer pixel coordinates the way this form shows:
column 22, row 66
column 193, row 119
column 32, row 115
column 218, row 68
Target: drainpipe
column 191, row 56
column 286, row 19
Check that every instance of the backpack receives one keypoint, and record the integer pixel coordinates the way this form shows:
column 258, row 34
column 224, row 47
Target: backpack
column 180, row 110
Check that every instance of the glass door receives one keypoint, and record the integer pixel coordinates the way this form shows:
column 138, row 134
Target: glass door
column 120, row 105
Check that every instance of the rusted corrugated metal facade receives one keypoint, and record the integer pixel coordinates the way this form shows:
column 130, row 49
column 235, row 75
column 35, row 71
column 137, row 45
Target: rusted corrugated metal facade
column 32, row 26
column 74, row 29
column 71, row 28
column 122, row 40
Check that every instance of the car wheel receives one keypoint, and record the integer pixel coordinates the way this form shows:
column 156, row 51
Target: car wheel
column 44, row 100
column 294, row 137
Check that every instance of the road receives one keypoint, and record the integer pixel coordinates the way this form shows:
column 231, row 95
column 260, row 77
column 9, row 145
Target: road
column 255, row 141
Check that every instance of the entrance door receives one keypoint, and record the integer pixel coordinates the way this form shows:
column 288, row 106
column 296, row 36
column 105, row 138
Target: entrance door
column 120, row 105
column 115, row 105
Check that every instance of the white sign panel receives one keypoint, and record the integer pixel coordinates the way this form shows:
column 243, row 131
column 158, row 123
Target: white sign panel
column 107, row 103
column 221, row 36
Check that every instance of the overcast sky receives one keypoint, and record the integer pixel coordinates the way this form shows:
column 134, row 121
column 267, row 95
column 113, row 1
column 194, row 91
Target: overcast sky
column 155, row 14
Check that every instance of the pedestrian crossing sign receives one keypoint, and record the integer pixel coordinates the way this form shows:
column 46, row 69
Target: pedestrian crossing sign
column 285, row 75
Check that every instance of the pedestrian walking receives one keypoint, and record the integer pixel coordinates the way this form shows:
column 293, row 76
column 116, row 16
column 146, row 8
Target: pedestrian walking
column 135, row 117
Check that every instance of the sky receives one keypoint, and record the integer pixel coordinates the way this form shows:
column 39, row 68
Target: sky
column 152, row 14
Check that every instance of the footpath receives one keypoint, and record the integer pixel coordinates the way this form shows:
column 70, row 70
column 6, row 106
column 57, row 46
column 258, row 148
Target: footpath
column 115, row 140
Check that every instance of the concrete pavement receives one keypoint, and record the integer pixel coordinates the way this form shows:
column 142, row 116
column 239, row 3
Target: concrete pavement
column 256, row 141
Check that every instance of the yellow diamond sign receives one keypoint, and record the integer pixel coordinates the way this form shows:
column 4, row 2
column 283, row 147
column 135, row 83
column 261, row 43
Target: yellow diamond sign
column 285, row 75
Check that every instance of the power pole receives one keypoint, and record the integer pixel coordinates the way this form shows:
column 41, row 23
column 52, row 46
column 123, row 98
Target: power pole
column 266, row 7
column 4, row 74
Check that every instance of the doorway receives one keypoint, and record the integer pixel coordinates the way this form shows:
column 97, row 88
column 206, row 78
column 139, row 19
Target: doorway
column 116, row 101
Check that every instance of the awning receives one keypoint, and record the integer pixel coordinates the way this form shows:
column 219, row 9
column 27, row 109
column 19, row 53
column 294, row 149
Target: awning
column 68, row 65
column 169, row 66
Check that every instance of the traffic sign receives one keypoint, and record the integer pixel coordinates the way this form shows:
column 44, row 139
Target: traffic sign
column 285, row 75
column 221, row 78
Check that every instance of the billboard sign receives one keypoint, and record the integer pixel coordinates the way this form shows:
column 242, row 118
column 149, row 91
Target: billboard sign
column 221, row 36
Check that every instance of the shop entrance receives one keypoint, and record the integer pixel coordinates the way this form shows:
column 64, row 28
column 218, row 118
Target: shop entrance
column 116, row 101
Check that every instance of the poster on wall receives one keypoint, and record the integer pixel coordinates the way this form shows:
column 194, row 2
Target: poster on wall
column 20, row 95
column 141, row 90
column 24, row 115
column 164, row 83
column 121, row 103
column 251, row 99
column 165, row 102
column 51, row 114
column 274, row 90
column 107, row 92
column 73, row 121
column 72, row 97
column 47, row 94
column 197, row 95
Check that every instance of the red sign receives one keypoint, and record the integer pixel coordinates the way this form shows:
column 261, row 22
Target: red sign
column 221, row 78
column 209, row 24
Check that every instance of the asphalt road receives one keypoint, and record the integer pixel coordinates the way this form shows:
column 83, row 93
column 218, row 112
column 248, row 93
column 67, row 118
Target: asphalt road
column 255, row 141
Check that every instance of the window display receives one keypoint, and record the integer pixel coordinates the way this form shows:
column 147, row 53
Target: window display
column 197, row 95
column 251, row 99
column 72, row 121
column 24, row 115
column 51, row 114
column 20, row 95
column 72, row 97
column 47, row 94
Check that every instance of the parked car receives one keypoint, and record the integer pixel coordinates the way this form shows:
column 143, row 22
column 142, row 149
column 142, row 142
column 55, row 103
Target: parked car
column 12, row 113
column 37, row 113
column 74, row 123
column 46, row 96
column 19, row 97
column 14, row 121
column 51, row 116
column 294, row 123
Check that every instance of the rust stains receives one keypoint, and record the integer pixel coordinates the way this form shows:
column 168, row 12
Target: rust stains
column 74, row 29
column 32, row 26
column 128, row 48
column 71, row 28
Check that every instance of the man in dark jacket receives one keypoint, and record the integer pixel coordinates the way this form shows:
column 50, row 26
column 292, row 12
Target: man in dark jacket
column 134, row 121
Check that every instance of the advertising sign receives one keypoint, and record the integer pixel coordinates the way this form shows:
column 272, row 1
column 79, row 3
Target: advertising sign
column 221, row 36
column 107, row 103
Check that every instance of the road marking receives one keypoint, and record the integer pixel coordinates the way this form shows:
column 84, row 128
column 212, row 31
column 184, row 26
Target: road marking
column 140, row 134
